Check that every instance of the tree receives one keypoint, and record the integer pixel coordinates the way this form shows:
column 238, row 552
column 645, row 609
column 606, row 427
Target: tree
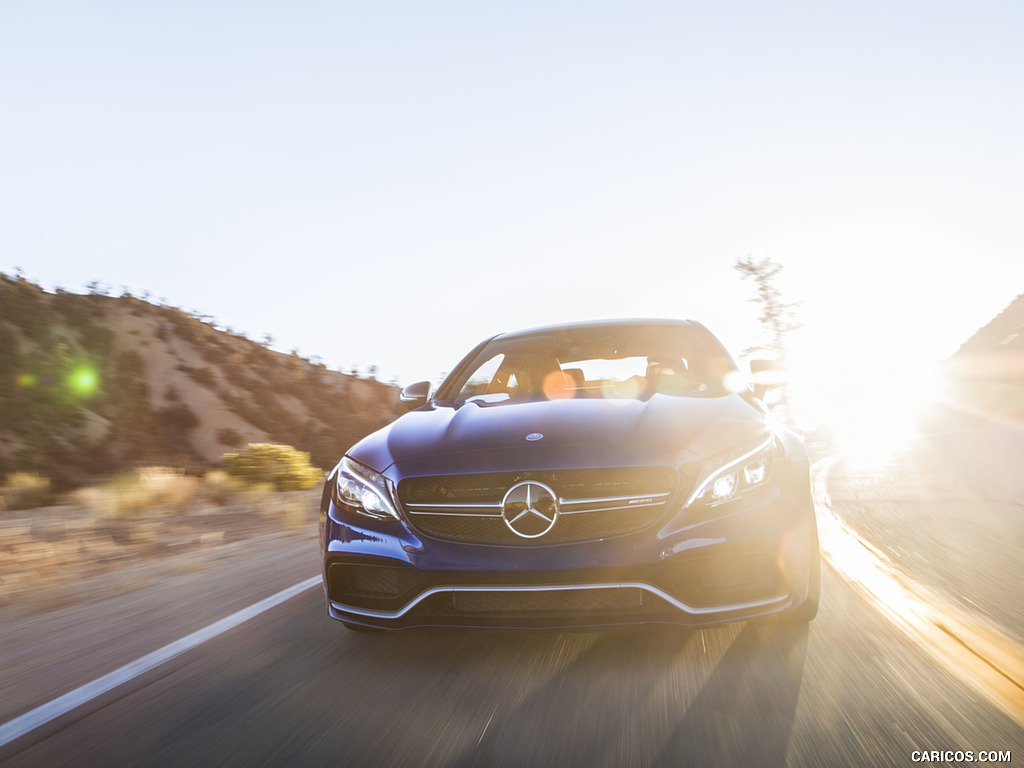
column 777, row 318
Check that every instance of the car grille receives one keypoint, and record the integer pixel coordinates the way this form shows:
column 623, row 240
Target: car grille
column 593, row 504
column 562, row 602
column 739, row 574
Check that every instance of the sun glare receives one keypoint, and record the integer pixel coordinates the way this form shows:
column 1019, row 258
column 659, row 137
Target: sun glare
column 877, row 316
column 865, row 362
column 870, row 406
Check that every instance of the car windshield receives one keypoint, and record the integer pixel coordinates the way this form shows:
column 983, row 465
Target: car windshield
column 594, row 362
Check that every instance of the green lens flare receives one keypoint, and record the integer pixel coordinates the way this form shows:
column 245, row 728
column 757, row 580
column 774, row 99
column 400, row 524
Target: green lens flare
column 26, row 380
column 83, row 381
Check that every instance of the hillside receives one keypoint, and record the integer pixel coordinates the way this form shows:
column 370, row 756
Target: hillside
column 92, row 384
column 987, row 372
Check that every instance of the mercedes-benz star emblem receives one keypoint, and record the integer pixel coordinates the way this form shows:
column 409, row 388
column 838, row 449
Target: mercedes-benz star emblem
column 529, row 509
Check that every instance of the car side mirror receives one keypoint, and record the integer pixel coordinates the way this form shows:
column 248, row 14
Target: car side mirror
column 414, row 395
column 767, row 374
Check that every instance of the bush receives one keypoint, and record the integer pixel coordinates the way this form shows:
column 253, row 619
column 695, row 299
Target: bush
column 222, row 489
column 228, row 436
column 143, row 490
column 24, row 490
column 286, row 468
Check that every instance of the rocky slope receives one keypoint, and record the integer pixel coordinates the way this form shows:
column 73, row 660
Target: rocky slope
column 92, row 384
column 987, row 372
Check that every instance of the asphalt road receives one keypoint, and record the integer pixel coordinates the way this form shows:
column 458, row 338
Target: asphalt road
column 291, row 687
column 947, row 507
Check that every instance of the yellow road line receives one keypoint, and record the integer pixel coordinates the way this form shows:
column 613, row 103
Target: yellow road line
column 972, row 647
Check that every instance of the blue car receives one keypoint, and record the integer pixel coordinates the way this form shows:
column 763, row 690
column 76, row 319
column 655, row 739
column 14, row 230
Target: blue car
column 582, row 475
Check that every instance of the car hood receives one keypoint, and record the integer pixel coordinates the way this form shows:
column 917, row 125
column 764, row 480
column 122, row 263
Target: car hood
column 663, row 429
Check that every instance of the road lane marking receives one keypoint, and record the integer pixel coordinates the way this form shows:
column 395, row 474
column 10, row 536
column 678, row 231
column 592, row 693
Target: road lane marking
column 43, row 714
column 973, row 648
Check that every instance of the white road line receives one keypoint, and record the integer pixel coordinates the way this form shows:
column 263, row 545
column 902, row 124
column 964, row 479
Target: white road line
column 31, row 720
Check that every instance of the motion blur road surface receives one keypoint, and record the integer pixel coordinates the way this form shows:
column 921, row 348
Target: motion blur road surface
column 947, row 507
column 291, row 687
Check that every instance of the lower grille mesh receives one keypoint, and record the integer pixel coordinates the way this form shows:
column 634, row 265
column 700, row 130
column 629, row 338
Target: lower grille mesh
column 562, row 602
column 740, row 575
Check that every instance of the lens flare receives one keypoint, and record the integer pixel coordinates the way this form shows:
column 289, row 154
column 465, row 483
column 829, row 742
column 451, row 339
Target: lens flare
column 84, row 381
column 734, row 381
column 869, row 405
column 559, row 386
column 26, row 380
column 629, row 389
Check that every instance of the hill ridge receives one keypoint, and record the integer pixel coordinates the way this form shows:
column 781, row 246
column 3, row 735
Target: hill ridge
column 987, row 371
column 91, row 384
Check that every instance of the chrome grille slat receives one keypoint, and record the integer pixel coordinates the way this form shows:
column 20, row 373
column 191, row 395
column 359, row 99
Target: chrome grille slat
column 595, row 504
column 586, row 510
column 427, row 508
column 442, row 513
column 607, row 499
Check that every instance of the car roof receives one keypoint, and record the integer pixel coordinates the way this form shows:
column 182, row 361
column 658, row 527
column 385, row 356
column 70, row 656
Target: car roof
column 596, row 325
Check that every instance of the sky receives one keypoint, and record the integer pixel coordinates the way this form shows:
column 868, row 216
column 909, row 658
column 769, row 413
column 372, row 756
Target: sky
column 388, row 183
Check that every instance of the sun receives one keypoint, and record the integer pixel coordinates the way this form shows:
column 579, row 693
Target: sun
column 877, row 317
column 869, row 404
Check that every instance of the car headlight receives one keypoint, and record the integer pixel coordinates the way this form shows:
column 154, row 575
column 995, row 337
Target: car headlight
column 727, row 476
column 362, row 490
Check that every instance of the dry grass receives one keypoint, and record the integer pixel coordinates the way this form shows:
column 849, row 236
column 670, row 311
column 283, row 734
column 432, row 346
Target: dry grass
column 162, row 490
column 23, row 490
column 221, row 489
column 137, row 519
column 159, row 490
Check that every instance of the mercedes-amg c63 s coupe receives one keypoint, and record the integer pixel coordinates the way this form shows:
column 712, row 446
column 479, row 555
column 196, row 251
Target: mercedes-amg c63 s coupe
column 583, row 475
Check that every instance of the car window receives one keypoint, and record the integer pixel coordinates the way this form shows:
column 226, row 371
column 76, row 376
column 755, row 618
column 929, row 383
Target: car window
column 482, row 380
column 609, row 363
column 598, row 369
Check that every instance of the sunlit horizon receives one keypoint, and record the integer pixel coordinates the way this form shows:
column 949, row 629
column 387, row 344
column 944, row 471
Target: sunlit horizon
column 376, row 192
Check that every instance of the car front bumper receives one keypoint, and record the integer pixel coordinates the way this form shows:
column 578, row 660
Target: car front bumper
column 752, row 559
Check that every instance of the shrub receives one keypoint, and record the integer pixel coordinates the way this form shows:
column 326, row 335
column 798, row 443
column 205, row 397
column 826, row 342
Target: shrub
column 146, row 489
column 229, row 436
column 286, row 468
column 178, row 418
column 202, row 374
column 24, row 490
column 222, row 489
